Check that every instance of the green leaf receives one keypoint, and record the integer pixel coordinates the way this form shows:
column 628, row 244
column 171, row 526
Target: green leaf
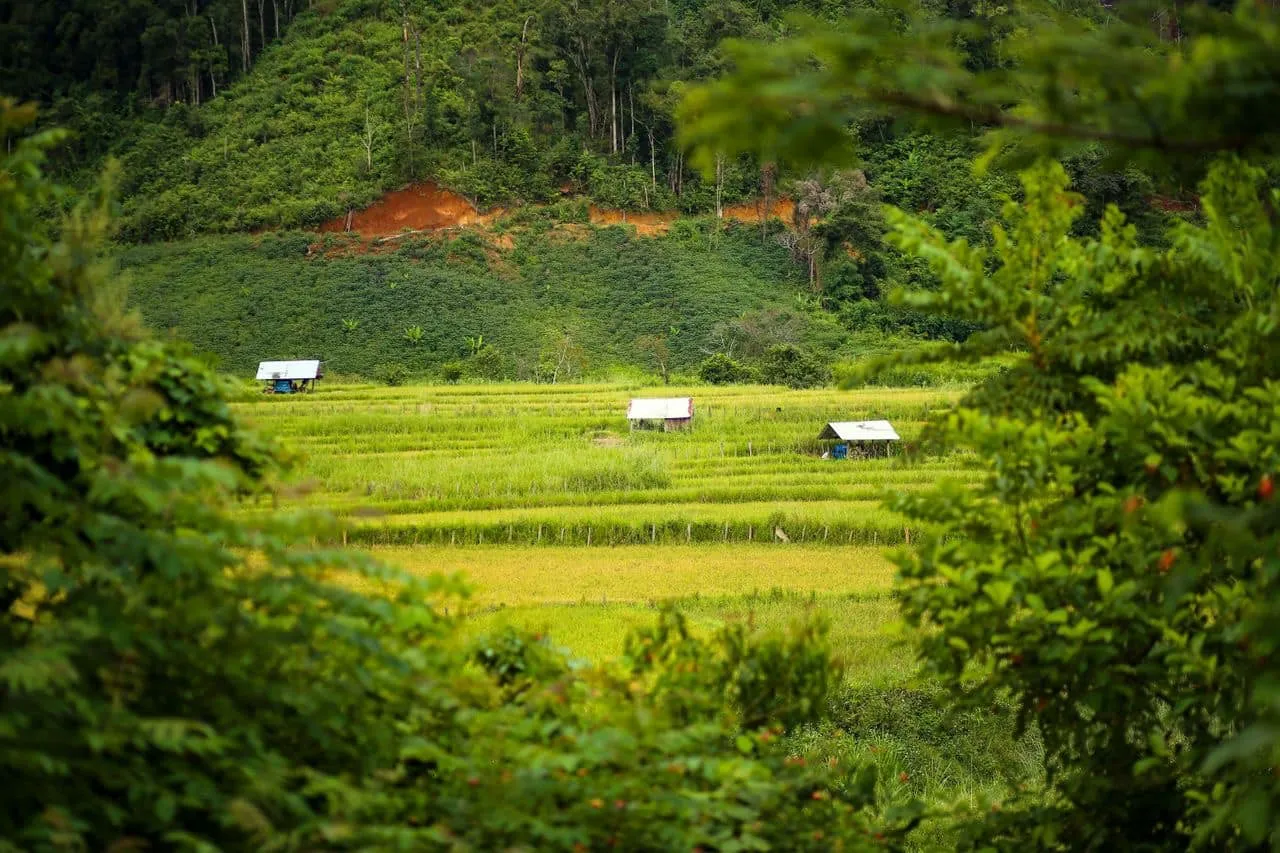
column 998, row 591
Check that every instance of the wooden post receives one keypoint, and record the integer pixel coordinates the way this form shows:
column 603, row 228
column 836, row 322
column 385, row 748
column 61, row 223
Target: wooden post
column 588, row 534
column 539, row 534
column 653, row 533
column 688, row 532
column 907, row 531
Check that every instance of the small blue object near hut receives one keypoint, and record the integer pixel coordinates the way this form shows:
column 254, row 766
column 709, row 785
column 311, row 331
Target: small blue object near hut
column 858, row 438
column 665, row 413
column 290, row 377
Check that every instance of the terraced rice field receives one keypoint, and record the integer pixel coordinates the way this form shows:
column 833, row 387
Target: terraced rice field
column 564, row 519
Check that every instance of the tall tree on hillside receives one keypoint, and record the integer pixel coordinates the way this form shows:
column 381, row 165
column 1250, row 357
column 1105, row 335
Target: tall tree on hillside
column 604, row 41
column 246, row 52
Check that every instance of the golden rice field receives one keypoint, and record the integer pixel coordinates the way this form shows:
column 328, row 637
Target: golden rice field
column 565, row 521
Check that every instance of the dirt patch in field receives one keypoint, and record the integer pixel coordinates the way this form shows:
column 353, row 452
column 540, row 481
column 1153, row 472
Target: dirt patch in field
column 653, row 223
column 647, row 223
column 421, row 207
column 608, row 440
column 429, row 207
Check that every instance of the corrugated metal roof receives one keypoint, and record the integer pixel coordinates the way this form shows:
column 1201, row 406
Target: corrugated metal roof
column 661, row 409
column 289, row 369
column 860, row 431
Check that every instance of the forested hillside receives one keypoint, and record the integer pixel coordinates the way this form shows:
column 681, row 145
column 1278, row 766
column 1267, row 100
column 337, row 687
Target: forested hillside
column 245, row 114
column 270, row 115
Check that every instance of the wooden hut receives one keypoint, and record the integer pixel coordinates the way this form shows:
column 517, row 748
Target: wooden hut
column 859, row 438
column 665, row 413
column 290, row 377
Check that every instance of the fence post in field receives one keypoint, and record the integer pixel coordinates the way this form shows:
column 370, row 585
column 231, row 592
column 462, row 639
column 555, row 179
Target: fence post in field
column 688, row 532
column 907, row 532
column 726, row 531
column 749, row 532
column 653, row 533
column 588, row 534
column 539, row 534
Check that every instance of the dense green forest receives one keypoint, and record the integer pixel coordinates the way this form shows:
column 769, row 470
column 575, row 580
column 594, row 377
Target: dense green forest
column 234, row 116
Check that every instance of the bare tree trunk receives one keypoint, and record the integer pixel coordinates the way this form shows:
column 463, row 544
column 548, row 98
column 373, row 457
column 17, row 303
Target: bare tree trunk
column 593, row 109
column 524, row 42
column 213, row 80
column 245, row 54
column 262, row 23
column 719, row 185
column 653, row 162
column 613, row 104
column 275, row 8
column 417, row 69
column 631, row 104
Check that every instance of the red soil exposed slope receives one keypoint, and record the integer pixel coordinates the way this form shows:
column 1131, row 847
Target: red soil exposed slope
column 422, row 207
column 428, row 207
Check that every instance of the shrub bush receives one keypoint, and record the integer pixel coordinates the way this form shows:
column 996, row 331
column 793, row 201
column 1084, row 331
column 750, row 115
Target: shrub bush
column 393, row 374
column 788, row 364
column 453, row 371
column 720, row 369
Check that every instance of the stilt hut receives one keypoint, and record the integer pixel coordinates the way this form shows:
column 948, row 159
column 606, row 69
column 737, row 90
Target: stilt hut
column 665, row 413
column 858, row 438
column 290, row 377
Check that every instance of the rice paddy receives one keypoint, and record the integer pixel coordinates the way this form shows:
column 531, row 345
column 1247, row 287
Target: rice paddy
column 565, row 520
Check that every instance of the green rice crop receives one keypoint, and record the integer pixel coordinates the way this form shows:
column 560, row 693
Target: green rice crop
column 558, row 465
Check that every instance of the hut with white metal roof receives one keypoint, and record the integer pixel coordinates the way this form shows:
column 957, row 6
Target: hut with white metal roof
column 667, row 413
column 860, row 438
column 289, row 377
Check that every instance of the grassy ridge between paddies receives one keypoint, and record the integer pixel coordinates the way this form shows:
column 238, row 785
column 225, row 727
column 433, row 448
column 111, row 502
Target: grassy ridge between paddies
column 588, row 599
column 505, row 576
